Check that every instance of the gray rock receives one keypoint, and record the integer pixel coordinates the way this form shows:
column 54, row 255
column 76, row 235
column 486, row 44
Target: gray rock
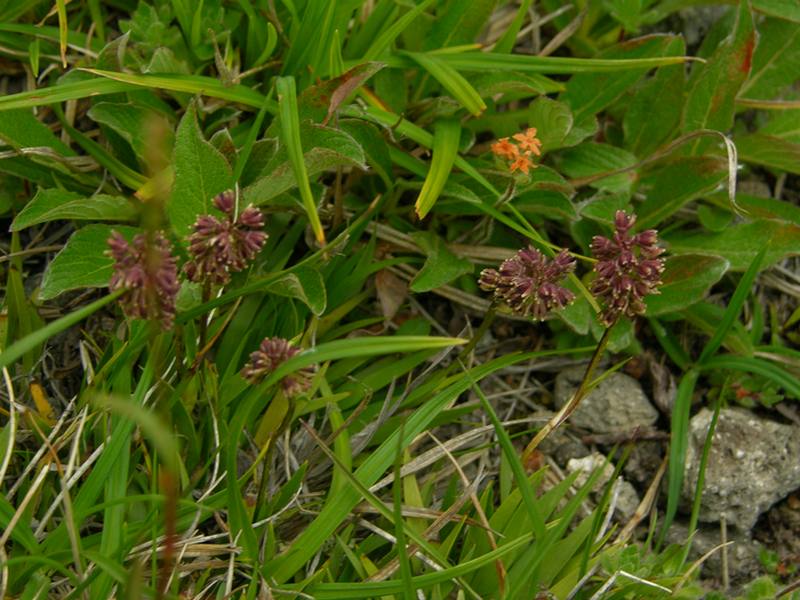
column 627, row 500
column 742, row 555
column 562, row 446
column 644, row 461
column 617, row 404
column 753, row 463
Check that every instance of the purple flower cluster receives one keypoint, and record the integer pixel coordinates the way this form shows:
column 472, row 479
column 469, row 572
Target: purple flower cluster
column 528, row 282
column 628, row 268
column 221, row 246
column 149, row 273
column 270, row 354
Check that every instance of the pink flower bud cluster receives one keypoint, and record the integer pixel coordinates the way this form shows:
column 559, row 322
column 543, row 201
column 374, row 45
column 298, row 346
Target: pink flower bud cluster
column 270, row 354
column 628, row 268
column 148, row 271
column 528, row 282
column 221, row 246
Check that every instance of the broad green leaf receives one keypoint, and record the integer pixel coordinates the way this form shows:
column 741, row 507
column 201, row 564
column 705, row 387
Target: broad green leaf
column 687, row 279
column 783, row 9
column 21, row 129
column 769, row 151
column 545, row 204
column 512, row 86
column 674, row 184
column 82, row 263
column 740, row 244
column 578, row 315
column 591, row 159
column 784, row 124
column 552, row 120
column 319, row 102
column 325, row 149
column 713, row 218
column 758, row 207
column 776, row 60
column 51, row 204
column 131, row 121
column 714, row 85
column 589, row 93
column 627, row 12
column 441, row 265
column 447, row 134
column 290, row 136
column 305, row 284
column 201, row 173
column 655, row 110
column 373, row 145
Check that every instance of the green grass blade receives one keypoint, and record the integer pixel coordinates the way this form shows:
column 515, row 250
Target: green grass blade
column 395, row 514
column 756, row 366
column 445, row 149
column 517, row 468
column 336, row 591
column 399, row 524
column 386, row 38
column 247, row 148
column 679, row 441
column 16, row 350
column 290, row 134
column 734, row 306
column 61, row 9
column 338, row 508
column 701, row 475
column 509, row 38
column 190, row 84
column 64, row 92
column 526, row 63
column 122, row 172
column 451, row 80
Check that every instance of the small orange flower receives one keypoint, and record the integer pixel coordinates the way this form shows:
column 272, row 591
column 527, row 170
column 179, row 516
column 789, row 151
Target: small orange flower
column 528, row 141
column 522, row 163
column 505, row 149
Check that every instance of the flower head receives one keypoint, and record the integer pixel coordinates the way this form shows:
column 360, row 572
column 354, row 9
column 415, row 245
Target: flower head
column 528, row 282
column 522, row 163
column 221, row 246
column 528, row 142
column 518, row 152
column 628, row 268
column 270, row 354
column 149, row 273
column 505, row 149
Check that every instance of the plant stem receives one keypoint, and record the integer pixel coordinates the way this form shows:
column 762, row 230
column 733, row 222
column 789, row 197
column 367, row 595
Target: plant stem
column 488, row 319
column 570, row 406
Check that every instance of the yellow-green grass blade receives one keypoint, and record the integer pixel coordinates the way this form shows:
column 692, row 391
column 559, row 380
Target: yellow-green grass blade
column 526, row 63
column 451, row 80
column 447, row 133
column 290, row 135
